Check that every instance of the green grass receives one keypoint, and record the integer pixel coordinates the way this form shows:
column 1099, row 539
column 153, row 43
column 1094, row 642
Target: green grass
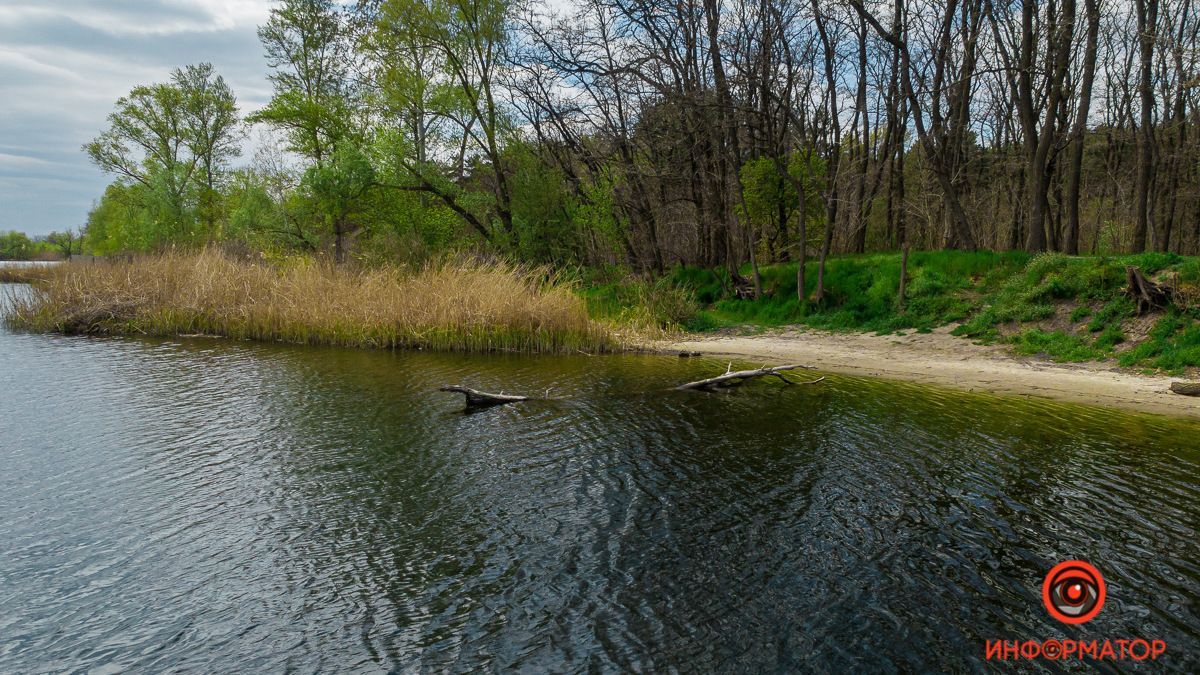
column 660, row 304
column 861, row 292
column 1051, row 280
column 1051, row 305
column 1173, row 344
column 1055, row 344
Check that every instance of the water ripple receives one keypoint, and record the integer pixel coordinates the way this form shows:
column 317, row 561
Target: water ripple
column 208, row 505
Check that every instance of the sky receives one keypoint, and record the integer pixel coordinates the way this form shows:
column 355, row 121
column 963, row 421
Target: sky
column 64, row 63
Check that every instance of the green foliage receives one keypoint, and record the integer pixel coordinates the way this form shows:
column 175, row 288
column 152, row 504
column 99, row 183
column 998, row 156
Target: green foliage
column 542, row 207
column 15, row 246
column 766, row 192
column 309, row 51
column 174, row 136
column 596, row 212
column 1112, row 314
column 660, row 304
column 137, row 217
column 64, row 243
column 1056, row 345
column 770, row 200
column 1046, row 280
column 338, row 185
column 1173, row 344
column 861, row 291
column 169, row 145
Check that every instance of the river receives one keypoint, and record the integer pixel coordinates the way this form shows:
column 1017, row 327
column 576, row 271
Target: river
column 218, row 506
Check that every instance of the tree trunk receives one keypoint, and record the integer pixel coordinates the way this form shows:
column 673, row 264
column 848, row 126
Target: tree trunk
column 1147, row 19
column 1079, row 131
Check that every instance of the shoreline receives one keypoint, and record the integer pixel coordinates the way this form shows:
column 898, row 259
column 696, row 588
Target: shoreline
column 941, row 359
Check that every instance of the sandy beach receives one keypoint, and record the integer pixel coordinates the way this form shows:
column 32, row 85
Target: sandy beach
column 939, row 358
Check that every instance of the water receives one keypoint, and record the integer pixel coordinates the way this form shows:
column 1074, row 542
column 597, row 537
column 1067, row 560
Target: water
column 206, row 505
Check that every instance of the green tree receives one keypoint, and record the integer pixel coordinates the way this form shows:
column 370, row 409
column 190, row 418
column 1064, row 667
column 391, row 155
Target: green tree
column 213, row 131
column 175, row 140
column 15, row 246
column 772, row 199
column 338, row 187
column 308, row 48
column 65, row 242
column 448, row 80
column 147, row 137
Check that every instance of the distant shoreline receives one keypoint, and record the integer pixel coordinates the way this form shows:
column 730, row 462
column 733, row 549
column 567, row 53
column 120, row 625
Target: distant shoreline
column 939, row 358
column 27, row 264
column 25, row 271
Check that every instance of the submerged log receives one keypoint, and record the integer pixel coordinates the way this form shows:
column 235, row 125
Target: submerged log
column 1186, row 388
column 1148, row 294
column 479, row 399
column 731, row 378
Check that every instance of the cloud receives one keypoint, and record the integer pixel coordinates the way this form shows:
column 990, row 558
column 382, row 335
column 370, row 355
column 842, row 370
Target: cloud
column 63, row 63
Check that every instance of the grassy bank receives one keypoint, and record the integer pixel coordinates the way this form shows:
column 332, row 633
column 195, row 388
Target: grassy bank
column 1052, row 306
column 462, row 306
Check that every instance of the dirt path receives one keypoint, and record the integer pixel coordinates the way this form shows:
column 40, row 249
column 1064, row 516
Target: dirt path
column 941, row 359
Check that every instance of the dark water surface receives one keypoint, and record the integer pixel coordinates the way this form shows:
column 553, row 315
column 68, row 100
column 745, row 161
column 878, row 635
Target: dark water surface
column 215, row 506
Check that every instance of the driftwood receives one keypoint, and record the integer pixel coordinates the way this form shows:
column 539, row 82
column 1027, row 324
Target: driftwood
column 479, row 399
column 482, row 399
column 1186, row 388
column 1148, row 294
column 732, row 378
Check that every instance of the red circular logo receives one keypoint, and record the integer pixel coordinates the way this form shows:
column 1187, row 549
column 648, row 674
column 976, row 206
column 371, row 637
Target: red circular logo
column 1073, row 592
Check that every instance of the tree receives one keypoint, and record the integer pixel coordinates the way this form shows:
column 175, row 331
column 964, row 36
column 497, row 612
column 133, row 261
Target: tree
column 318, row 104
column 66, row 242
column 940, row 140
column 175, row 139
column 147, row 137
column 309, row 51
column 338, row 186
column 455, row 50
column 15, row 246
column 212, row 128
column 1147, row 27
column 643, row 134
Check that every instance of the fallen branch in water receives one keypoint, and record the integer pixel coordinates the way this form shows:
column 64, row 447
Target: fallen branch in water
column 731, row 379
column 478, row 399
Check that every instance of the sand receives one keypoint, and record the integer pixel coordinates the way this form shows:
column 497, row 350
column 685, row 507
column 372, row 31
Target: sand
column 939, row 358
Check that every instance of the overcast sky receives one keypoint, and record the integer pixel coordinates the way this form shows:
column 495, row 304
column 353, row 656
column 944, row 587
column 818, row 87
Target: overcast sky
column 63, row 63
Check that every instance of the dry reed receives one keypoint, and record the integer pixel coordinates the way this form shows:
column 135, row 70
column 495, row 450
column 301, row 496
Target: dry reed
column 25, row 275
column 458, row 305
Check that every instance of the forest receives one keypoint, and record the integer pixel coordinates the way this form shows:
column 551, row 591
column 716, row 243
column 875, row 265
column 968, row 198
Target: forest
column 643, row 136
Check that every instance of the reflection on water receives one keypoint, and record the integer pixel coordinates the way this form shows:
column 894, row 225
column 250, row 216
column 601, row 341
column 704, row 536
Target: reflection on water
column 214, row 506
column 29, row 263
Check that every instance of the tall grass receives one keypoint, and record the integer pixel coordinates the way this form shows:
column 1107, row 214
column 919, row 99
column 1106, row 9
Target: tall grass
column 461, row 305
column 23, row 274
column 658, row 307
